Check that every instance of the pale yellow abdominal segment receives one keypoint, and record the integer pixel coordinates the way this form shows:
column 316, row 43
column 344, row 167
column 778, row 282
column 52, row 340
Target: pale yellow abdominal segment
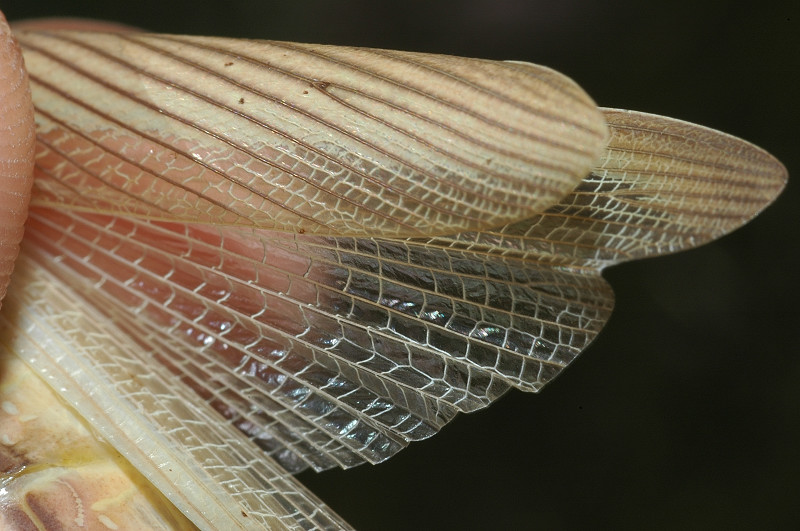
column 57, row 474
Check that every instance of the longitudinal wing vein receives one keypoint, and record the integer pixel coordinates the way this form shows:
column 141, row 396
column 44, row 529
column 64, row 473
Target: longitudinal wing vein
column 214, row 475
column 302, row 138
column 663, row 185
column 374, row 343
column 164, row 163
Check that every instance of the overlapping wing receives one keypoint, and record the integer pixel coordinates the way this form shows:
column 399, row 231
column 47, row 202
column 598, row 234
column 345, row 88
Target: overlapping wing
column 302, row 138
column 352, row 347
column 335, row 341
column 334, row 350
column 663, row 185
column 156, row 158
column 211, row 473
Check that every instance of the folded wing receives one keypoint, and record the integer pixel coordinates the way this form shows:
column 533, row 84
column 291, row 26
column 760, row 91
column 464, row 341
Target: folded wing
column 337, row 339
column 300, row 138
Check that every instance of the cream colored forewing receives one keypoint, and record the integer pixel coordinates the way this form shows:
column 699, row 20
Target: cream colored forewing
column 663, row 185
column 302, row 138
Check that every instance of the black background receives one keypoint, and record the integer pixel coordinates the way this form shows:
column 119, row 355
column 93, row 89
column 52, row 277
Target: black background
column 685, row 413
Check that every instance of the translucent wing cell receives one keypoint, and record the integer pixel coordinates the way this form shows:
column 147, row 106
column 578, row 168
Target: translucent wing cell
column 246, row 258
column 302, row 138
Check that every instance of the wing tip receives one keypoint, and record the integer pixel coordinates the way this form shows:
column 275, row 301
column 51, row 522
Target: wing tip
column 708, row 182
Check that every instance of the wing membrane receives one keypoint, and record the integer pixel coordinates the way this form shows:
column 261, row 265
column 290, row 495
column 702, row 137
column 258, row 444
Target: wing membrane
column 369, row 343
column 280, row 255
column 302, row 138
column 662, row 186
column 212, row 474
column 350, row 348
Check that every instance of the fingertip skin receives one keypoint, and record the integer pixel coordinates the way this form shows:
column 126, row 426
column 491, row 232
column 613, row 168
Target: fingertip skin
column 17, row 138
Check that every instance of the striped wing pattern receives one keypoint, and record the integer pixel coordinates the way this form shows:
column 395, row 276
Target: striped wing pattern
column 303, row 138
column 246, row 258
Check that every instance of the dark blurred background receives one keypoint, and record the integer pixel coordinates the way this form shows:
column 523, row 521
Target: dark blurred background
column 685, row 413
